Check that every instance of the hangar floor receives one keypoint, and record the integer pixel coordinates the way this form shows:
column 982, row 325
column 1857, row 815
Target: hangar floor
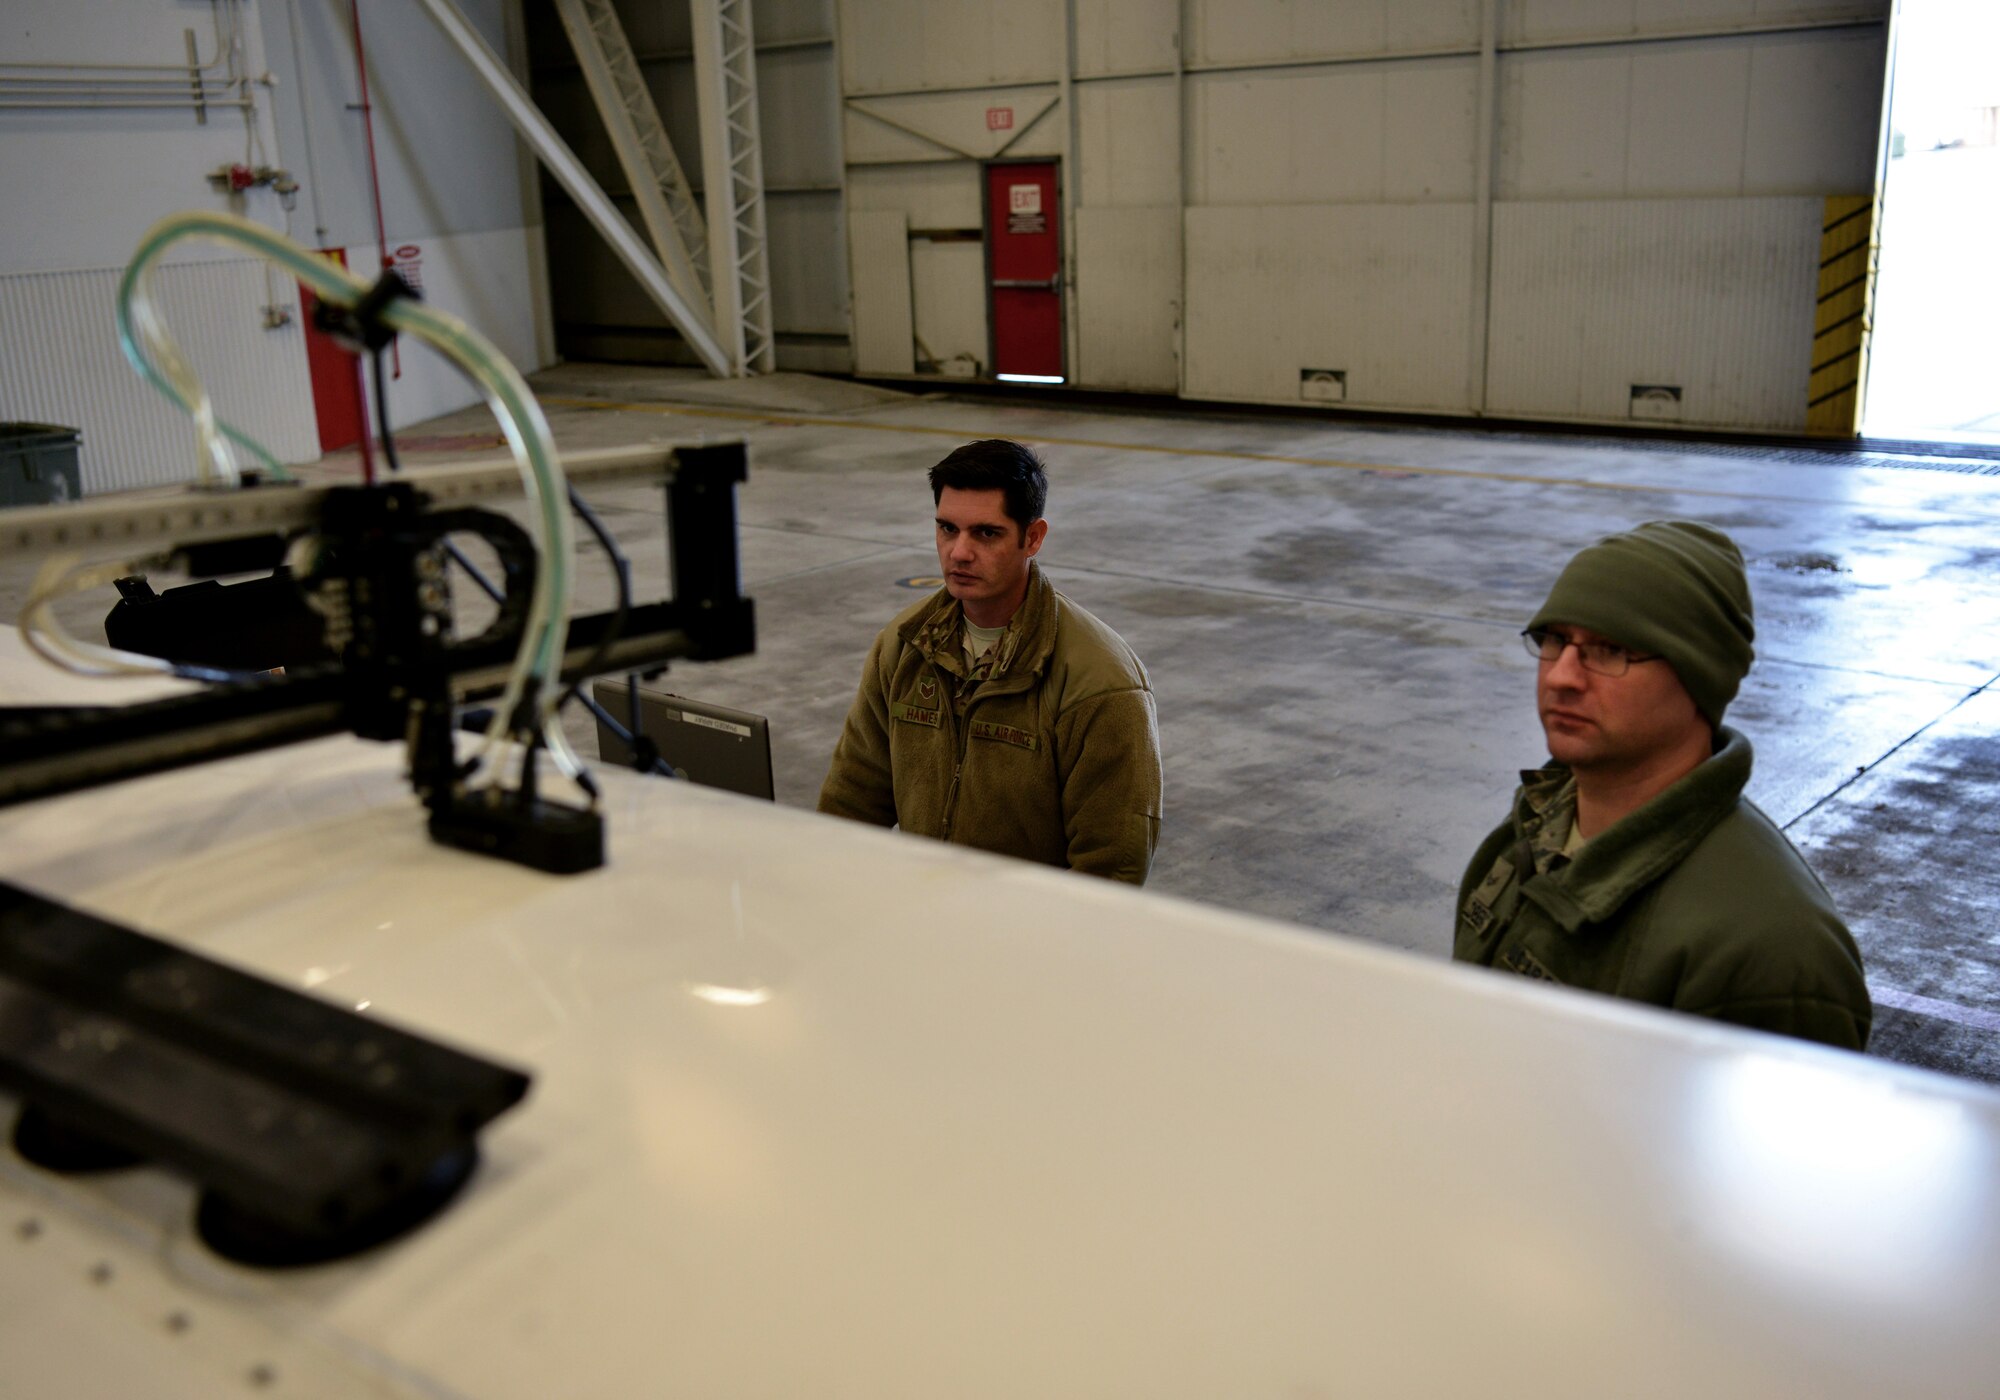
column 1329, row 615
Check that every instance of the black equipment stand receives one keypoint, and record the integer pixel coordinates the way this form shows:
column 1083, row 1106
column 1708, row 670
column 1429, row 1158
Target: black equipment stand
column 400, row 672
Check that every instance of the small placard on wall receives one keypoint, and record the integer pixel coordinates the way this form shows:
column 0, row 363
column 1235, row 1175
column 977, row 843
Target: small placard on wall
column 1323, row 385
column 1656, row 401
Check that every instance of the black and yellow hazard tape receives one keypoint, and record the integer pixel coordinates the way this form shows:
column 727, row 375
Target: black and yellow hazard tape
column 1840, row 323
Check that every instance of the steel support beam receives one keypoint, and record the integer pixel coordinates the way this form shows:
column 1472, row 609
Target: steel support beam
column 725, row 69
column 690, row 320
column 646, row 155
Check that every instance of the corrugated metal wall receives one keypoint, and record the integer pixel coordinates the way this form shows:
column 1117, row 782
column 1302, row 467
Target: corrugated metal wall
column 1377, row 293
column 1703, row 297
column 1608, row 195
column 63, row 365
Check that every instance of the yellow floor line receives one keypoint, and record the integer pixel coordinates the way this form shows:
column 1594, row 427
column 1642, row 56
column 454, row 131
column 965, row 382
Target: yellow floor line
column 1334, row 463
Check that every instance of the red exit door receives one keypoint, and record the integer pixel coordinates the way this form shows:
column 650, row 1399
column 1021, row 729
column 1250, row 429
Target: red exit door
column 1024, row 272
column 336, row 385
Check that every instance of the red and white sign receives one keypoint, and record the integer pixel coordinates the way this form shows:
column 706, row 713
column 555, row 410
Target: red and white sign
column 408, row 263
column 1024, row 199
column 999, row 118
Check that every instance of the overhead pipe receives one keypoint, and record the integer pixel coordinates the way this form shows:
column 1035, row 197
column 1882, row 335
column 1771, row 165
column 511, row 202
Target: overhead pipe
column 134, row 105
column 99, row 88
column 221, row 51
column 306, row 124
column 180, row 84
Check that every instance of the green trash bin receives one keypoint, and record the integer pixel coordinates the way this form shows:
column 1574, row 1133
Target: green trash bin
column 38, row 464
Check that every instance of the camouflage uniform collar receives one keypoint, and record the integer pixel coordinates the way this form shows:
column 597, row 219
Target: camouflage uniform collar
column 1545, row 814
column 1618, row 863
column 1024, row 650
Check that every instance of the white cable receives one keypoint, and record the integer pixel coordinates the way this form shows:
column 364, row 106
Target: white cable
column 215, row 462
column 54, row 643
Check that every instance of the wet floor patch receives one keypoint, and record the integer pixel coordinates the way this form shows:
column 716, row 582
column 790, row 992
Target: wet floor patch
column 1804, row 564
column 1907, row 852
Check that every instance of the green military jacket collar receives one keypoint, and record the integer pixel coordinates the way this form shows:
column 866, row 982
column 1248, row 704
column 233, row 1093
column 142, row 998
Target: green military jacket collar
column 1634, row 853
column 1023, row 653
column 1696, row 902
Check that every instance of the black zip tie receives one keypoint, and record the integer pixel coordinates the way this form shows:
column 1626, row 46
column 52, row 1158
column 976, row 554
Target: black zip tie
column 360, row 328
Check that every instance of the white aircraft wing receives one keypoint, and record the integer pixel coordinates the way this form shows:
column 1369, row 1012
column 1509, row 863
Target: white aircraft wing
column 819, row 1110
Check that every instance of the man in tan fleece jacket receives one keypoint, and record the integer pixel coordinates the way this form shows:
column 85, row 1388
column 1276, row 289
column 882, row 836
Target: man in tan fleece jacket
column 996, row 713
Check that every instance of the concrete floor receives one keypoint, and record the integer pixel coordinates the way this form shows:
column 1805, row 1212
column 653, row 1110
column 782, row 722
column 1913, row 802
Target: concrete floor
column 1329, row 615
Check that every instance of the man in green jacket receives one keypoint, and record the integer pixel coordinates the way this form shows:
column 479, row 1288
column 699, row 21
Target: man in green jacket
column 996, row 713
column 1633, row 865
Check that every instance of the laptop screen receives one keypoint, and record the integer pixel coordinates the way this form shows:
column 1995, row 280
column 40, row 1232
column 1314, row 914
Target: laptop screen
column 711, row 744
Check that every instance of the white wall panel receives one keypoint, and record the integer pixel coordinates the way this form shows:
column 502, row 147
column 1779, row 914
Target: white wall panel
column 948, row 301
column 931, row 126
column 1686, row 131
column 894, row 45
column 798, row 91
column 1242, row 31
column 1381, row 292
column 1773, row 115
column 808, row 275
column 63, row 365
column 1815, row 111
column 82, row 187
column 783, row 19
column 1370, row 133
column 1127, row 297
column 945, row 283
column 1563, row 125
column 1126, row 36
column 1713, row 296
column 445, row 153
column 938, row 195
column 1548, row 20
column 878, row 244
column 1128, row 142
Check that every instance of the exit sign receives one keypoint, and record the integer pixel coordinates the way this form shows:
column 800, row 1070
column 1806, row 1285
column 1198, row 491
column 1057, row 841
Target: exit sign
column 999, row 118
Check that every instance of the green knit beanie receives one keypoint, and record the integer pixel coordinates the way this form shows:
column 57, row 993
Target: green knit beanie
column 1670, row 588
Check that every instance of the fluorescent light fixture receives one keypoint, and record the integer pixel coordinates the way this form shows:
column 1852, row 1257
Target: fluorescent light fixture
column 1030, row 378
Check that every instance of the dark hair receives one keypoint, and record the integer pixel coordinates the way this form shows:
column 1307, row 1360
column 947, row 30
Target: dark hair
column 995, row 464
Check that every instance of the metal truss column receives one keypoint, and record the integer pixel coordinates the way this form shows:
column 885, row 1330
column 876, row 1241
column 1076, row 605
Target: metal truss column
column 725, row 68
column 651, row 168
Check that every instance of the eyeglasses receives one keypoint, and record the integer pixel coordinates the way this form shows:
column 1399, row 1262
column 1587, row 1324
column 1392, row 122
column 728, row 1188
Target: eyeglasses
column 1605, row 658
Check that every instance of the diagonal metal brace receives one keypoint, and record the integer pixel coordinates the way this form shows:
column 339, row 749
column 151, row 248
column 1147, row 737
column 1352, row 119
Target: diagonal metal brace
column 688, row 318
column 653, row 171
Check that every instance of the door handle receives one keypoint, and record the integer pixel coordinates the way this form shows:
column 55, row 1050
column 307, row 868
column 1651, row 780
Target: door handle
column 1053, row 284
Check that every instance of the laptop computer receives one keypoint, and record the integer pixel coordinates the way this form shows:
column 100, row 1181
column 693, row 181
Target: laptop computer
column 712, row 744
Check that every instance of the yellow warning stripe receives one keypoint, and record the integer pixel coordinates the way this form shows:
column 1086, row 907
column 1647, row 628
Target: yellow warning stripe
column 1840, row 323
column 778, row 418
